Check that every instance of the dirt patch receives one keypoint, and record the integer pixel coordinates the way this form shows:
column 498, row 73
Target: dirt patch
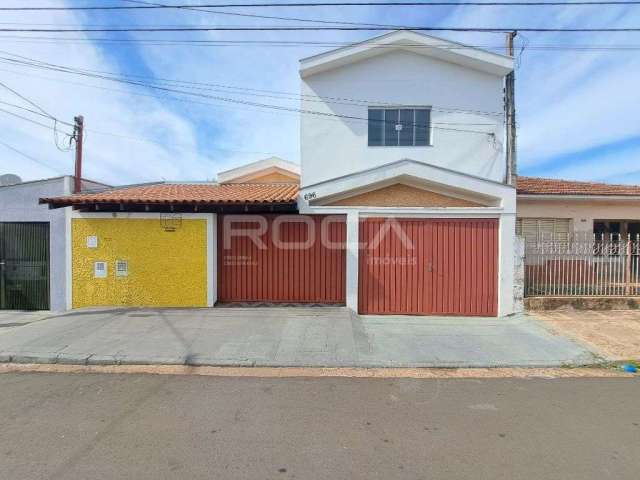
column 581, row 303
column 615, row 334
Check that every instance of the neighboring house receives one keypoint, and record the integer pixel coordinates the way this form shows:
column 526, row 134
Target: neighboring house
column 402, row 183
column 33, row 244
column 557, row 209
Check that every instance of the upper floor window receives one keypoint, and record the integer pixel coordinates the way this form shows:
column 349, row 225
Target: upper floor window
column 399, row 127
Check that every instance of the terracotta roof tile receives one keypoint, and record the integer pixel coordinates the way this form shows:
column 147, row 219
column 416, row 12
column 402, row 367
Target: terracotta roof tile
column 549, row 186
column 186, row 193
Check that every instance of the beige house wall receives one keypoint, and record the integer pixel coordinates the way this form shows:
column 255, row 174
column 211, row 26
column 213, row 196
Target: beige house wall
column 582, row 213
column 268, row 175
column 274, row 177
column 400, row 195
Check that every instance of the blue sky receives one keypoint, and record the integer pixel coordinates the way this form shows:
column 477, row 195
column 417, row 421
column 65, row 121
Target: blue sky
column 577, row 108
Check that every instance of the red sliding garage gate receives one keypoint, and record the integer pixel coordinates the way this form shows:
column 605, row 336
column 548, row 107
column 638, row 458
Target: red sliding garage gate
column 281, row 258
column 428, row 266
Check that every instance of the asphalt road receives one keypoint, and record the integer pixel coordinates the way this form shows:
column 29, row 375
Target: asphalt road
column 97, row 426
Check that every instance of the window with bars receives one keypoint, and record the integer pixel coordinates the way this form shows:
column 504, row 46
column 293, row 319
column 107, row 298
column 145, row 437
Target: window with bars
column 543, row 229
column 100, row 269
column 122, row 268
column 399, row 127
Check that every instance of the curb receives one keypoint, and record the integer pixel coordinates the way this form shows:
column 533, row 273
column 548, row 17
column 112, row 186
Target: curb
column 346, row 372
column 186, row 361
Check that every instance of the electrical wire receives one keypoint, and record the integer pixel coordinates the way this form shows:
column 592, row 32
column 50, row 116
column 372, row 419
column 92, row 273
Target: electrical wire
column 111, row 134
column 25, row 118
column 29, row 157
column 301, row 43
column 278, row 108
column 434, row 125
column 331, row 4
column 30, row 102
column 321, row 29
column 47, row 114
column 279, row 94
column 268, row 17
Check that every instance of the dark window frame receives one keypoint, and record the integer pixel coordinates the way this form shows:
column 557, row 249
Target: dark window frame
column 378, row 136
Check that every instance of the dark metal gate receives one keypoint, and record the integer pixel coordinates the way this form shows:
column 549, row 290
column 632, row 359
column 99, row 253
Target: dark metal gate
column 24, row 266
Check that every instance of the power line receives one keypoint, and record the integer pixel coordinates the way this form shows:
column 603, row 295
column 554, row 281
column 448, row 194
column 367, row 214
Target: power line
column 47, row 114
column 111, row 134
column 435, row 125
column 251, row 15
column 30, row 102
column 319, row 29
column 29, row 157
column 230, row 100
column 329, row 4
column 279, row 94
column 49, row 127
column 148, row 95
column 164, row 97
column 303, row 43
column 34, row 112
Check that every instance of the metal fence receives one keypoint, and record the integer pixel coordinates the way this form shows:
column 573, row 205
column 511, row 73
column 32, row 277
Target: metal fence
column 587, row 265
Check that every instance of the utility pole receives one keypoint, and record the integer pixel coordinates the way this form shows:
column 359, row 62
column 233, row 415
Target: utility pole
column 78, row 131
column 510, row 116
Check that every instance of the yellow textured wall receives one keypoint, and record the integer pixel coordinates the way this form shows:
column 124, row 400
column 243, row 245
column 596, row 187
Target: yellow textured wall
column 166, row 269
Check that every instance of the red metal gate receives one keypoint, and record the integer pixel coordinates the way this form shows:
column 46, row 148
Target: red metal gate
column 428, row 266
column 281, row 258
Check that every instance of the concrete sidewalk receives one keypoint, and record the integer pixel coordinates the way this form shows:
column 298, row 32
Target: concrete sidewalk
column 18, row 318
column 292, row 336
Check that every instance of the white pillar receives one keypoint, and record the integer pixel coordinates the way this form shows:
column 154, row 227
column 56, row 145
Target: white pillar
column 212, row 259
column 506, row 255
column 352, row 261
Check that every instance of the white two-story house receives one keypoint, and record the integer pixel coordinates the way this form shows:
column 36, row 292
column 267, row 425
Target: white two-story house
column 407, row 140
column 399, row 204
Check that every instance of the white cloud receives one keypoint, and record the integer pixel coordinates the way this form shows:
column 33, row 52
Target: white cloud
column 107, row 158
column 568, row 101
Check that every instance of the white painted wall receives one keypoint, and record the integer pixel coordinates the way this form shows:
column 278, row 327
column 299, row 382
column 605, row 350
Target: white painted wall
column 332, row 147
column 582, row 212
column 19, row 203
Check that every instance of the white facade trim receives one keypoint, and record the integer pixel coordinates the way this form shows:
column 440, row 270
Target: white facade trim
column 413, row 212
column 504, row 195
column 68, row 271
column 212, row 261
column 352, row 259
column 418, row 43
column 506, row 246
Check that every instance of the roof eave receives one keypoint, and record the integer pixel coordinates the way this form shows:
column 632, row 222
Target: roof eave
column 410, row 41
column 58, row 203
column 569, row 196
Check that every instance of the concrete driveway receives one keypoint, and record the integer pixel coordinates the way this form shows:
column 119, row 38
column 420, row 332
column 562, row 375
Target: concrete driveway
column 318, row 337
